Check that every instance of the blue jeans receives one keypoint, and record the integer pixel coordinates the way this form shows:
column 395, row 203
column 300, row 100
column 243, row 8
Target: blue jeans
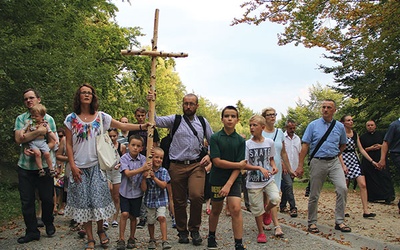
column 287, row 191
column 29, row 182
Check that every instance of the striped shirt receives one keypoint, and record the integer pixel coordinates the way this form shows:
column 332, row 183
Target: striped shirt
column 28, row 162
column 185, row 145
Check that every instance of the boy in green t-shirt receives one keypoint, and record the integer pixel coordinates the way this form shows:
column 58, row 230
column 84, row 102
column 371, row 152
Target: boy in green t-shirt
column 227, row 153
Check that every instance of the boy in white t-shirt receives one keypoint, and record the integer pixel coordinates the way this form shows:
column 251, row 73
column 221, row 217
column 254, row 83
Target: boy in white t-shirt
column 260, row 167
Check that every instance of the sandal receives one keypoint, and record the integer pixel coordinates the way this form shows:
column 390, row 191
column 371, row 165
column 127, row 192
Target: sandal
column 293, row 212
column 279, row 235
column 343, row 228
column 42, row 172
column 103, row 241
column 87, row 244
column 52, row 173
column 312, row 228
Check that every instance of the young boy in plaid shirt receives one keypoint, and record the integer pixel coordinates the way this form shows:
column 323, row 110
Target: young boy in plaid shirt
column 154, row 184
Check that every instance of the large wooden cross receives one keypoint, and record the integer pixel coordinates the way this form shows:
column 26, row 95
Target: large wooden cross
column 154, row 54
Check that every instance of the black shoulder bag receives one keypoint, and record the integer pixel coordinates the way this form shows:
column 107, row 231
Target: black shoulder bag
column 322, row 140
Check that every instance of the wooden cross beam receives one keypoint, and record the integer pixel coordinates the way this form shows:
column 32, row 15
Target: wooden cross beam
column 154, row 54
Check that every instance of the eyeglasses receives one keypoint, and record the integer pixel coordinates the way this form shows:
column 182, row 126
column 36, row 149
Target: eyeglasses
column 86, row 93
column 60, row 136
column 29, row 98
column 271, row 115
column 190, row 104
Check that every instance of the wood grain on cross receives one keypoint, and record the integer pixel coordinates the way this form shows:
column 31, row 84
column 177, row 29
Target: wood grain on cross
column 154, row 54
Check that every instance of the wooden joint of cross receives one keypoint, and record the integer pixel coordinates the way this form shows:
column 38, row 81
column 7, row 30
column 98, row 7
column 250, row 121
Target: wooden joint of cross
column 154, row 54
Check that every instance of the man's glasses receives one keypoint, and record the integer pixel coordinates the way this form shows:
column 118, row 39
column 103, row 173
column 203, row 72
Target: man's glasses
column 271, row 115
column 86, row 93
column 60, row 136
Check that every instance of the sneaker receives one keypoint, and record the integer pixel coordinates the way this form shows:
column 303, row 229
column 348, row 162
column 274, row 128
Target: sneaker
column 141, row 224
column 239, row 246
column 196, row 238
column 183, row 238
column 114, row 224
column 50, row 229
column 73, row 223
column 105, row 225
column 267, row 218
column 166, row 245
column 39, row 222
column 173, row 222
column 131, row 244
column 82, row 233
column 211, row 242
column 261, row 238
column 152, row 244
column 120, row 245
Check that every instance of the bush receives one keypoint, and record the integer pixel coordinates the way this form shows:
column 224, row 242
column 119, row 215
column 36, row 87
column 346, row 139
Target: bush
column 10, row 207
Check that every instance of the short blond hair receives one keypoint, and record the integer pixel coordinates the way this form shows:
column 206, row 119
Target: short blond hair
column 264, row 111
column 259, row 119
column 38, row 109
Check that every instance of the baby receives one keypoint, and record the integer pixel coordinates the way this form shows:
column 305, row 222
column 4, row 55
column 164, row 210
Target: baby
column 39, row 145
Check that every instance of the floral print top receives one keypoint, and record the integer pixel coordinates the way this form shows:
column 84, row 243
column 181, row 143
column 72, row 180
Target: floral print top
column 84, row 137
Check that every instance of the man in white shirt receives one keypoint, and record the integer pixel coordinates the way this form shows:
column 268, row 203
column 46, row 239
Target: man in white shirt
column 293, row 147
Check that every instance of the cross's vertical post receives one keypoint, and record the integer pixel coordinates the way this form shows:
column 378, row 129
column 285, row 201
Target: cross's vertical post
column 154, row 55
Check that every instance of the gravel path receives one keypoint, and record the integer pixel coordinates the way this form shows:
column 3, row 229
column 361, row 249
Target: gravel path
column 295, row 236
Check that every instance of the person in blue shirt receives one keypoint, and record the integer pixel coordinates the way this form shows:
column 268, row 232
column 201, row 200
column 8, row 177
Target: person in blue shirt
column 325, row 163
column 391, row 144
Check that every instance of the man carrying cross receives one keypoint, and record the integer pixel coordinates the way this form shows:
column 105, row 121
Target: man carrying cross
column 187, row 169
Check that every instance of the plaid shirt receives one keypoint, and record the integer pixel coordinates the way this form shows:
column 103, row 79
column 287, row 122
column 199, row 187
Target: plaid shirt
column 28, row 162
column 156, row 197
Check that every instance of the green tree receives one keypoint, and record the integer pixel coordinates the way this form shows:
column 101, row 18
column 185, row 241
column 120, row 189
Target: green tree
column 55, row 46
column 309, row 110
column 362, row 37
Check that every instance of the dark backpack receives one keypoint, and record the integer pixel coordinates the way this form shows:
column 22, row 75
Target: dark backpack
column 165, row 142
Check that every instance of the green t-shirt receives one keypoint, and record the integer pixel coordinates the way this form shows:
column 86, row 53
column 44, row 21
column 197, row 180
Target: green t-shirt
column 28, row 162
column 226, row 147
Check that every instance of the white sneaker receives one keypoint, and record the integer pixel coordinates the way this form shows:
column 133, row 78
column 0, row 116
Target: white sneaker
column 105, row 225
column 114, row 223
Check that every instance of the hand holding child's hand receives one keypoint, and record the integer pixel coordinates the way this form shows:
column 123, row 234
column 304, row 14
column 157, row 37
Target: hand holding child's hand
column 274, row 170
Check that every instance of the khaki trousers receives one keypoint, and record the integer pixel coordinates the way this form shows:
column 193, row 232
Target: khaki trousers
column 187, row 182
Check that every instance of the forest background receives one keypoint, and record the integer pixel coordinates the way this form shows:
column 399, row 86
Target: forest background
column 55, row 46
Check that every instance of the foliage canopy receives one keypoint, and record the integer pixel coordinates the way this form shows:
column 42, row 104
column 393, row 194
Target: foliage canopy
column 362, row 37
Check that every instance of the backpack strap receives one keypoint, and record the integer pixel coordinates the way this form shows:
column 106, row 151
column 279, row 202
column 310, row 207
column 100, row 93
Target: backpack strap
column 203, row 124
column 177, row 122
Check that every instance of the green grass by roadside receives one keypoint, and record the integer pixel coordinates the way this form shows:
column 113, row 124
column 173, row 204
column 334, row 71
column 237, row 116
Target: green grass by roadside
column 10, row 205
